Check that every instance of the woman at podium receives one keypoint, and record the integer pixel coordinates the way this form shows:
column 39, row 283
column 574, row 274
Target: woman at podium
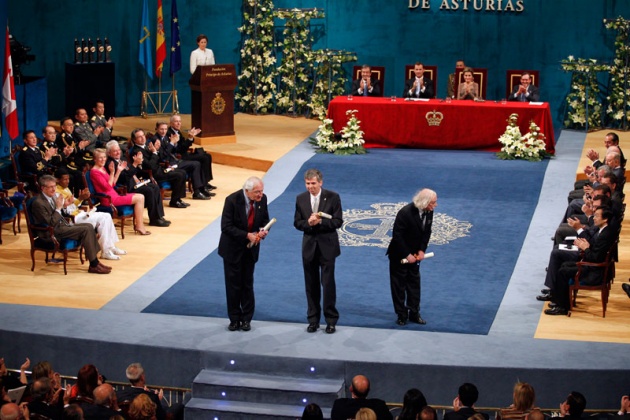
column 202, row 56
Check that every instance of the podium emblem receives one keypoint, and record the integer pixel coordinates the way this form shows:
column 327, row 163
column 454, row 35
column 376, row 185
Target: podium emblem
column 218, row 104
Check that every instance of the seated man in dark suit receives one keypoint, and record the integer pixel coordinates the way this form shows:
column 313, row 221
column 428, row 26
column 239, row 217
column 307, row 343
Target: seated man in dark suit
column 33, row 160
column 105, row 404
column 525, row 92
column 463, row 405
column 135, row 374
column 45, row 402
column 418, row 86
column 346, row 408
column 563, row 263
column 366, row 85
column 573, row 407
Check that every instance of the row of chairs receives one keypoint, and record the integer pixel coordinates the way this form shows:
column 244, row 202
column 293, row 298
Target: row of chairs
column 513, row 77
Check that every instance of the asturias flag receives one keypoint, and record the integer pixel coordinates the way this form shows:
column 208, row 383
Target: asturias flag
column 160, row 44
column 144, row 54
column 9, row 105
column 176, row 52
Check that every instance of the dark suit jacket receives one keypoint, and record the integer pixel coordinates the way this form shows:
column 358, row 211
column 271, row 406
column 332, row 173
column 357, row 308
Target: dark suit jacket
column 597, row 253
column 98, row 412
column 184, row 142
column 323, row 235
column 534, row 94
column 428, row 90
column 32, row 162
column 346, row 408
column 233, row 241
column 44, row 214
column 409, row 236
column 129, row 393
column 376, row 88
column 463, row 414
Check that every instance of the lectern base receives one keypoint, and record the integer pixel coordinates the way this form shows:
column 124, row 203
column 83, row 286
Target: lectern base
column 205, row 141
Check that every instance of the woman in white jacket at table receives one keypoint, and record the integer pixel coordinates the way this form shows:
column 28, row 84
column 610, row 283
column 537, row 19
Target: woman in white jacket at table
column 202, row 56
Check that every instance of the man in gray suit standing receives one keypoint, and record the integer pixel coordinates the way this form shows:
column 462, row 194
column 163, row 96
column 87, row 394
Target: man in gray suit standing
column 318, row 214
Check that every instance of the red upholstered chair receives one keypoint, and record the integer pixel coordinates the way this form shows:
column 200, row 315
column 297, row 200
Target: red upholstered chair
column 480, row 76
column 429, row 71
column 513, row 78
column 378, row 73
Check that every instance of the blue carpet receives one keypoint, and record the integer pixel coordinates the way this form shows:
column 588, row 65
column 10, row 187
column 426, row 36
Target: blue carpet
column 484, row 209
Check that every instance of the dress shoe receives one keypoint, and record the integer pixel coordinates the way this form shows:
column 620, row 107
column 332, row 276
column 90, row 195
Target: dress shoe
column 312, row 327
column 184, row 203
column 401, row 321
column 545, row 291
column 234, row 326
column 552, row 305
column 417, row 319
column 105, row 267
column 159, row 223
column 200, row 196
column 558, row 310
column 109, row 255
column 246, row 326
column 209, row 193
column 210, row 186
column 165, row 221
column 544, row 298
column 177, row 205
column 330, row 329
column 626, row 288
column 97, row 269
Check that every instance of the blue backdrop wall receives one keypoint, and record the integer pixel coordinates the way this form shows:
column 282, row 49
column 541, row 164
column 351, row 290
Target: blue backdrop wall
column 381, row 32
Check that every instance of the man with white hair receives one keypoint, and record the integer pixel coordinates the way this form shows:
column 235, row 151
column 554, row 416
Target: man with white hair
column 410, row 238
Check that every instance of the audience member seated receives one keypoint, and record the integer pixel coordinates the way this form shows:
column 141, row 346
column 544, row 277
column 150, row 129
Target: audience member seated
column 73, row 412
column 132, row 176
column 99, row 120
column 344, row 408
column 151, row 161
column 84, row 130
column 45, row 401
column 525, row 92
column 611, row 139
column 88, row 379
column 74, row 148
column 523, row 402
column 142, row 408
column 105, row 404
column 450, row 87
column 101, row 221
column 136, row 376
column 8, row 380
column 413, row 402
column 167, row 147
column 468, row 89
column 366, row 85
column 418, row 86
column 34, row 160
column 104, row 183
column 365, row 414
column 312, row 412
column 428, row 413
column 563, row 263
column 464, row 404
column 46, row 210
column 11, row 411
column 184, row 149
column 573, row 407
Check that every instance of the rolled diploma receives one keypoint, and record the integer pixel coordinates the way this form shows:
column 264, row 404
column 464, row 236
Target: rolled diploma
column 324, row 215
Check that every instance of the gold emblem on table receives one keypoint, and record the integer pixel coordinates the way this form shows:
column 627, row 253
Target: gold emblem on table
column 218, row 104
column 434, row 118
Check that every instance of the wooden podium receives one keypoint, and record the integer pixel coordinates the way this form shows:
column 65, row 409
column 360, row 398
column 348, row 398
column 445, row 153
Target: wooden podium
column 212, row 97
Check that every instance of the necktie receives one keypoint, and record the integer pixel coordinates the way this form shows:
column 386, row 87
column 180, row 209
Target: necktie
column 250, row 216
column 418, row 87
column 315, row 204
column 423, row 218
column 365, row 88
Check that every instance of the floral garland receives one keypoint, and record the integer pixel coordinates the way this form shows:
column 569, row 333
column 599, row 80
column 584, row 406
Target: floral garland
column 348, row 142
column 330, row 76
column 584, row 77
column 256, row 91
column 618, row 96
column 530, row 147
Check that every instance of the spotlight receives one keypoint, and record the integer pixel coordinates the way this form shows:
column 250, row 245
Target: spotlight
column 312, row 368
column 223, row 393
column 232, row 362
column 304, row 400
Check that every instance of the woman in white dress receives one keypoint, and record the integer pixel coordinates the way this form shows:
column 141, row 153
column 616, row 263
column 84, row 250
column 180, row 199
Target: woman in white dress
column 202, row 56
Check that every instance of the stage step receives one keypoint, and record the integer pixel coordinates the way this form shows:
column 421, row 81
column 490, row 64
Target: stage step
column 243, row 395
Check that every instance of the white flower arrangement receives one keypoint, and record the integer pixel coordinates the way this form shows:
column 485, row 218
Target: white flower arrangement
column 583, row 79
column 348, row 142
column 618, row 109
column 530, row 147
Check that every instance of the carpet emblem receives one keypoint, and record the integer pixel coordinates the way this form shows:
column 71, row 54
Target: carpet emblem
column 374, row 227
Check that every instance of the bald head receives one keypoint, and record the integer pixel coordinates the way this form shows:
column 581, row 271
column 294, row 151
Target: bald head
column 104, row 394
column 360, row 386
column 10, row 411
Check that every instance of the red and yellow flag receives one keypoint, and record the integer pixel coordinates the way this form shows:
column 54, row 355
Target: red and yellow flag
column 160, row 44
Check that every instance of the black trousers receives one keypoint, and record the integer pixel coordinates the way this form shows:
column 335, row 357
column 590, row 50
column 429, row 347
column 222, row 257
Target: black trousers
column 239, row 288
column 177, row 179
column 205, row 161
column 319, row 275
column 152, row 200
column 404, row 282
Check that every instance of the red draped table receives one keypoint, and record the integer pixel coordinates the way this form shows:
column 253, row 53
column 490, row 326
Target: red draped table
column 436, row 124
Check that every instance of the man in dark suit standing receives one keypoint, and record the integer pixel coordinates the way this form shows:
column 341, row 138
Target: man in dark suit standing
column 318, row 214
column 244, row 215
column 412, row 231
column 46, row 210
column 366, row 85
column 419, row 86
column 525, row 92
